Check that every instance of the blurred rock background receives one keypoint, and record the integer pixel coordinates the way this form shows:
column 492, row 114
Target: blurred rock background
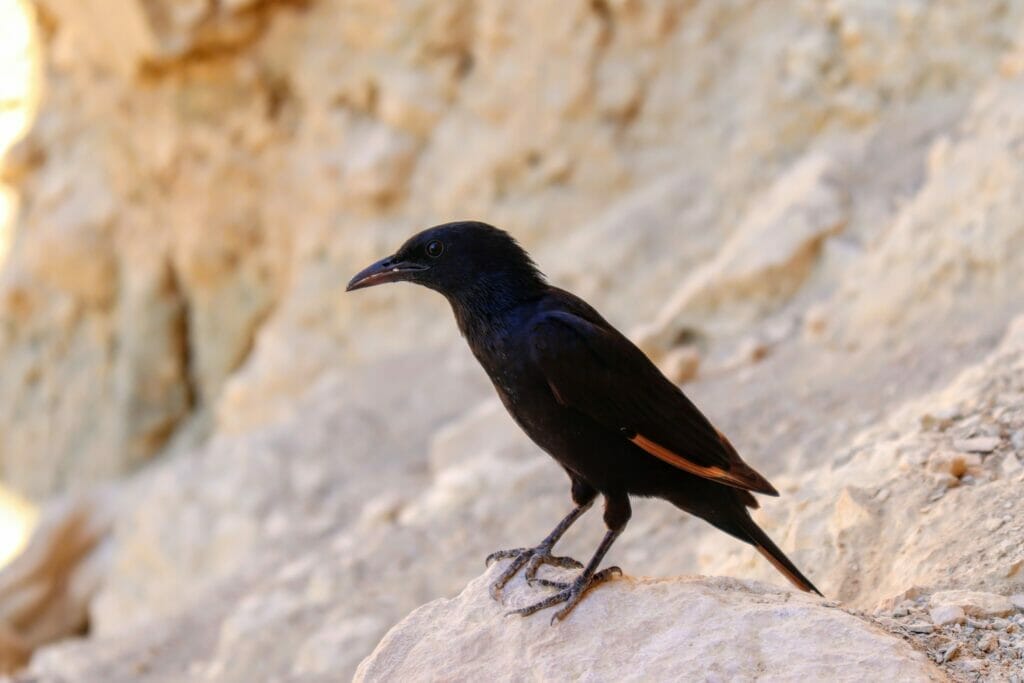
column 810, row 211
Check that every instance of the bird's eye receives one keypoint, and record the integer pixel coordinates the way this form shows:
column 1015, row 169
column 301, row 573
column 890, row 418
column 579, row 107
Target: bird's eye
column 435, row 248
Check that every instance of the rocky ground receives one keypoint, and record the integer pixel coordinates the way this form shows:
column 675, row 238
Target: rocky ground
column 642, row 630
column 810, row 216
column 970, row 634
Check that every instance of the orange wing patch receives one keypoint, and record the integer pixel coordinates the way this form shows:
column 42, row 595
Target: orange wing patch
column 714, row 473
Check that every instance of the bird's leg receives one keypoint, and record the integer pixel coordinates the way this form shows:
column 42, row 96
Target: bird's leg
column 533, row 558
column 616, row 514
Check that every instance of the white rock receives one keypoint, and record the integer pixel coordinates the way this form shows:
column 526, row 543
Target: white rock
column 974, row 603
column 943, row 615
column 643, row 629
column 941, row 417
column 972, row 665
column 978, row 444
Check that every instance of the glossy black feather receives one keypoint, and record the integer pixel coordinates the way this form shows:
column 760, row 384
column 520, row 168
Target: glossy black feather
column 593, row 368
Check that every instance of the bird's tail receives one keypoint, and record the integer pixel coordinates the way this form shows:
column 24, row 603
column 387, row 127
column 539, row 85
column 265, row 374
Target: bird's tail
column 734, row 520
column 726, row 508
column 753, row 534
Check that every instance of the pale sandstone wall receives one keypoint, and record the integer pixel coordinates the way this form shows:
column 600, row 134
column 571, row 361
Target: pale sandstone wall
column 202, row 177
column 817, row 202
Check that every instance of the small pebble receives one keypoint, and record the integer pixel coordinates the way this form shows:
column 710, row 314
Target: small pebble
column 977, row 444
column 1017, row 440
column 988, row 643
column 920, row 628
column 992, row 524
column 945, row 414
column 944, row 615
column 971, row 665
column 888, row 623
column 978, row 604
column 968, row 424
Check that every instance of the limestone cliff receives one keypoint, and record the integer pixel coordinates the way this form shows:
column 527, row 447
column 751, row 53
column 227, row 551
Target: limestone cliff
column 810, row 211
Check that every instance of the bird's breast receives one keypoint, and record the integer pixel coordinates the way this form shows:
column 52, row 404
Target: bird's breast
column 531, row 403
column 527, row 396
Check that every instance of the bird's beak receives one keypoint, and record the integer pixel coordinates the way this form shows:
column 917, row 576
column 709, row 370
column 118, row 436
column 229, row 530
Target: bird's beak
column 388, row 269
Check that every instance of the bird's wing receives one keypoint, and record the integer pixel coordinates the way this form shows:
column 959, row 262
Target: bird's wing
column 597, row 371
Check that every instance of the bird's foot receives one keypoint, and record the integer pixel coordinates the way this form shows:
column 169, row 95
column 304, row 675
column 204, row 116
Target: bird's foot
column 570, row 593
column 532, row 559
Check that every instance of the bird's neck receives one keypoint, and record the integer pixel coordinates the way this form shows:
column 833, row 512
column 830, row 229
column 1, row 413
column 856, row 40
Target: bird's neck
column 485, row 307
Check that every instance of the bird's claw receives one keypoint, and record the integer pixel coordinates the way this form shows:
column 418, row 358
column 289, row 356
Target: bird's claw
column 531, row 558
column 504, row 555
column 569, row 593
column 547, row 583
column 537, row 561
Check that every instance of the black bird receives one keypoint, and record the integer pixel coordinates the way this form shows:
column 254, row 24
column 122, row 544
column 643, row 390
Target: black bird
column 586, row 395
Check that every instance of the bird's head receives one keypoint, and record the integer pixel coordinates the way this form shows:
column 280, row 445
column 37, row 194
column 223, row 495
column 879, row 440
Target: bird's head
column 456, row 259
